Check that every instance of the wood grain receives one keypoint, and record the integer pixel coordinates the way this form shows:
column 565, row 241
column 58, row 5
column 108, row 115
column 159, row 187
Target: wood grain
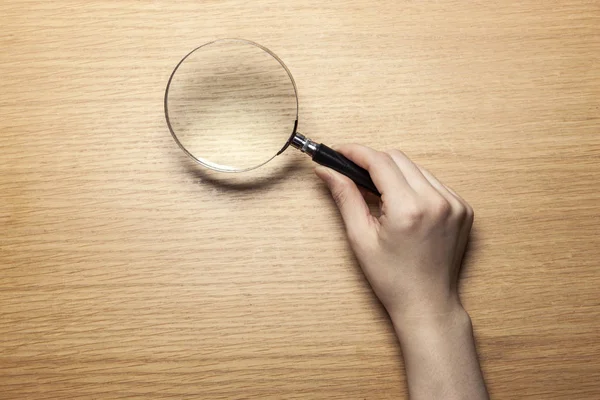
column 128, row 272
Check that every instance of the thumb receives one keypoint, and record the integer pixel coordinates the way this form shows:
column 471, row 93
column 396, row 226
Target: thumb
column 348, row 199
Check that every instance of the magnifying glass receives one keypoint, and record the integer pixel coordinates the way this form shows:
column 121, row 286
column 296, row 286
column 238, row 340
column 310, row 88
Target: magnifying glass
column 232, row 106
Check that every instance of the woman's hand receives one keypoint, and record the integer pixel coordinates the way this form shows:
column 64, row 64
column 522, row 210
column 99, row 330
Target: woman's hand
column 411, row 254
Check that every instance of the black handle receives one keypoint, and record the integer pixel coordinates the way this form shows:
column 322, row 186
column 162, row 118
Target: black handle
column 334, row 160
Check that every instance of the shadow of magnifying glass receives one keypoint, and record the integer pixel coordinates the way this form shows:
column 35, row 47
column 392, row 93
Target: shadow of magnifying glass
column 267, row 178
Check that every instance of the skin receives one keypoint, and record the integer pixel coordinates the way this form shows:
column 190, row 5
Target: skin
column 411, row 255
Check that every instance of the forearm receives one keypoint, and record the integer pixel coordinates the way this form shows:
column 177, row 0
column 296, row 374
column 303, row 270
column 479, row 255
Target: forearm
column 440, row 356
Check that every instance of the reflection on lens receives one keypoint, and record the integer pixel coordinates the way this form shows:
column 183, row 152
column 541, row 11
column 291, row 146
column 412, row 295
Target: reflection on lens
column 232, row 104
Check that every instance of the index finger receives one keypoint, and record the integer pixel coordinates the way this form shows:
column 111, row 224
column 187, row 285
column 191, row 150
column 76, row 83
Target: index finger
column 383, row 170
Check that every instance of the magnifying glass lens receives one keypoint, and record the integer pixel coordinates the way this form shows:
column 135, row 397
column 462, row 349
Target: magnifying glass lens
column 231, row 105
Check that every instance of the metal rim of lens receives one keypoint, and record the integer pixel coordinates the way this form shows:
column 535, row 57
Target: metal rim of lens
column 207, row 163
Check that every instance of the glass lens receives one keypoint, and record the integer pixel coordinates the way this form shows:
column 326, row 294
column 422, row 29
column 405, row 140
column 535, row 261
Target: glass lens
column 231, row 105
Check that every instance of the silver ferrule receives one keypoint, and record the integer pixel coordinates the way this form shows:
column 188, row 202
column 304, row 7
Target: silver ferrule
column 304, row 144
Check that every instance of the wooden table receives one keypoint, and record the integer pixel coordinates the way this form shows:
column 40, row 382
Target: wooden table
column 128, row 272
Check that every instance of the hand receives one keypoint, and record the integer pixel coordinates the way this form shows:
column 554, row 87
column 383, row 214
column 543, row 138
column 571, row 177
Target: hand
column 412, row 253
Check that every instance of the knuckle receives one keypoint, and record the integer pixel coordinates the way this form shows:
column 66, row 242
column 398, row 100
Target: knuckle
column 461, row 214
column 414, row 215
column 339, row 196
column 390, row 163
column 395, row 152
column 386, row 161
column 441, row 208
column 340, row 192
column 470, row 213
column 387, row 157
column 464, row 212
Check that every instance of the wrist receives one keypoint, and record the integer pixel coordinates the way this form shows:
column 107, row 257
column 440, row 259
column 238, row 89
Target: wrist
column 440, row 355
column 431, row 321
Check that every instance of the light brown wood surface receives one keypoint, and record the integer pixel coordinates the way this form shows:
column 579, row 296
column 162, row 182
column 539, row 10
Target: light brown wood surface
column 128, row 272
